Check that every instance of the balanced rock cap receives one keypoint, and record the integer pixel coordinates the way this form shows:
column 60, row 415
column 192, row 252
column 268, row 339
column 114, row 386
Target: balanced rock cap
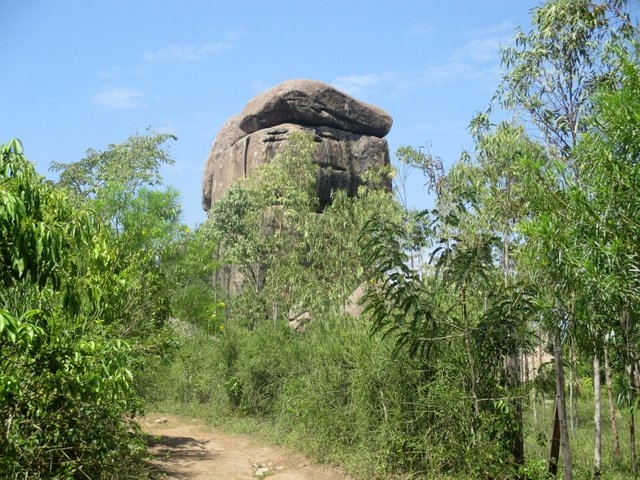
column 313, row 103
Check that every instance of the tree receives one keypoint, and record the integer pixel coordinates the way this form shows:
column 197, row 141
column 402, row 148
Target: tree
column 486, row 311
column 121, row 185
column 606, row 214
column 132, row 164
column 66, row 396
column 257, row 225
column 552, row 72
column 268, row 229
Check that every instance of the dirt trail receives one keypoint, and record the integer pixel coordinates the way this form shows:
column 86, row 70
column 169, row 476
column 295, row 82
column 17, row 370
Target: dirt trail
column 187, row 449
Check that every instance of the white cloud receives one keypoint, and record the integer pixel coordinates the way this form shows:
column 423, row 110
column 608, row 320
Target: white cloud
column 180, row 53
column 419, row 30
column 236, row 34
column 119, row 98
column 477, row 61
column 485, row 44
column 109, row 73
column 357, row 84
column 455, row 73
column 483, row 50
column 452, row 72
column 506, row 27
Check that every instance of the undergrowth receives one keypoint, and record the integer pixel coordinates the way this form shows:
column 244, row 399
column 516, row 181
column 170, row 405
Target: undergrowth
column 335, row 393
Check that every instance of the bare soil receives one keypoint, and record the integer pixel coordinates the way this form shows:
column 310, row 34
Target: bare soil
column 187, row 449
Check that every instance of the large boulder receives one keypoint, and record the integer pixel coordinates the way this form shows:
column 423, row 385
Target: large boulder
column 348, row 133
column 312, row 103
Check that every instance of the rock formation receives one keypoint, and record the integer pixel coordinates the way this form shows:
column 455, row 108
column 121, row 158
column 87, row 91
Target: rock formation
column 349, row 134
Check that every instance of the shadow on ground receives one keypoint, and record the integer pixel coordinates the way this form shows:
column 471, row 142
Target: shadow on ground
column 170, row 455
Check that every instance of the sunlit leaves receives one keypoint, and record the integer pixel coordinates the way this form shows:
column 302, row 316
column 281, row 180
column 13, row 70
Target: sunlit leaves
column 552, row 70
column 396, row 298
column 36, row 223
column 62, row 378
column 131, row 164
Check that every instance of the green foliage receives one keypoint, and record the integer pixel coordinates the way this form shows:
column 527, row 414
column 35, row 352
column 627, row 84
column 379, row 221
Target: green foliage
column 66, row 396
column 68, row 402
column 397, row 299
column 191, row 264
column 233, row 225
column 130, row 289
column 552, row 70
column 129, row 165
column 602, row 202
column 257, row 225
column 35, row 223
column 268, row 231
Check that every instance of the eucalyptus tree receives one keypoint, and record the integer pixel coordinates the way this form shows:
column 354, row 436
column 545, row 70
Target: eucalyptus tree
column 551, row 74
column 606, row 210
column 552, row 70
column 493, row 172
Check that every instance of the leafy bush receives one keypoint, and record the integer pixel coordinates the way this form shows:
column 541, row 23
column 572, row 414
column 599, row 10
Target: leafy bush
column 67, row 399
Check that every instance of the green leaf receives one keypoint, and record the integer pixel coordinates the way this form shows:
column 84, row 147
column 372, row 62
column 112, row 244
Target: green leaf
column 18, row 264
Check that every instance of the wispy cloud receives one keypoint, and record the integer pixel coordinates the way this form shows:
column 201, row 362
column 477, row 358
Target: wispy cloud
column 111, row 72
column 119, row 98
column 182, row 53
column 485, row 44
column 506, row 27
column 451, row 72
column 236, row 34
column 357, row 84
column 476, row 61
column 458, row 73
column 483, row 50
column 419, row 30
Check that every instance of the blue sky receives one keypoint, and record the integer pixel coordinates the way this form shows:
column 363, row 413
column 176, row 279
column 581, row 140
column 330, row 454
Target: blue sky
column 78, row 74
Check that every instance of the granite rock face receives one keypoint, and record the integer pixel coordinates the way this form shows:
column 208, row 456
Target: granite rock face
column 348, row 133
column 312, row 103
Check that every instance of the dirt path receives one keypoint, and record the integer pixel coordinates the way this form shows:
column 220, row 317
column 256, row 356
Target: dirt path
column 187, row 449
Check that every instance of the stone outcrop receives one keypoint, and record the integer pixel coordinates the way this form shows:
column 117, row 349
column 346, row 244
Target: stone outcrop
column 349, row 136
column 307, row 102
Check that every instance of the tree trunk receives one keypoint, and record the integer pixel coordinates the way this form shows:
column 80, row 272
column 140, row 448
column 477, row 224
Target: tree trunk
column 597, row 418
column 573, row 421
column 517, row 434
column 562, row 410
column 617, row 454
column 632, row 420
column 467, row 344
column 543, row 397
column 514, row 361
column 554, row 454
column 531, row 375
column 628, row 328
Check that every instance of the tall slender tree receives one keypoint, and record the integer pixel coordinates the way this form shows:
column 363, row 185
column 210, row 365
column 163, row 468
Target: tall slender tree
column 552, row 72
